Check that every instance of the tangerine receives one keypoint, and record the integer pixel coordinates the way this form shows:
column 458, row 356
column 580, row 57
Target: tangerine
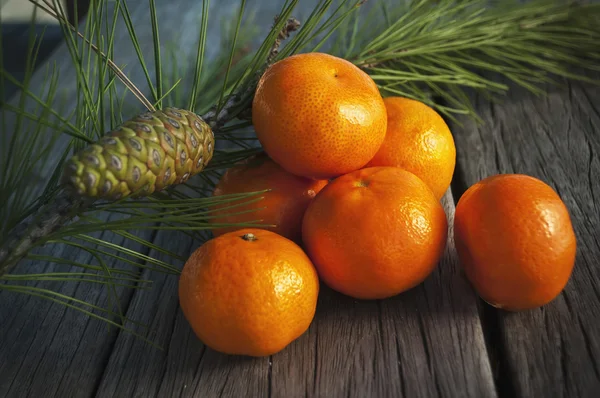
column 282, row 206
column 318, row 116
column 249, row 292
column 515, row 241
column 375, row 232
column 418, row 140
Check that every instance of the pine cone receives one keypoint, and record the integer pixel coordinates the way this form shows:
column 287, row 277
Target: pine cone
column 145, row 154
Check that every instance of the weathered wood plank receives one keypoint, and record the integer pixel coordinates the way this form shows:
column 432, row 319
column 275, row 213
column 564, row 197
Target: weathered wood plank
column 395, row 347
column 155, row 308
column 451, row 333
column 122, row 377
column 184, row 366
column 554, row 350
column 40, row 334
column 46, row 348
column 427, row 342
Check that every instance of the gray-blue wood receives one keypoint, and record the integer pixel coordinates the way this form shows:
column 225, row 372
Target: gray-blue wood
column 554, row 350
column 437, row 340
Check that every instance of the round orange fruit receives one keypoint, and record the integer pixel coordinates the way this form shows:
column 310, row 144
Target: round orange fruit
column 515, row 241
column 418, row 140
column 282, row 206
column 249, row 292
column 375, row 232
column 318, row 116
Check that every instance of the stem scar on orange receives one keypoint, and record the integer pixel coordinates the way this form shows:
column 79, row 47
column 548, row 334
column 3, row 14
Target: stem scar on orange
column 249, row 292
column 515, row 241
column 375, row 232
column 282, row 206
column 318, row 116
column 418, row 140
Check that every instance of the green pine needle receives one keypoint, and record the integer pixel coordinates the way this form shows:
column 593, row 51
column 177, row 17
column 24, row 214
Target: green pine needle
column 199, row 55
column 157, row 57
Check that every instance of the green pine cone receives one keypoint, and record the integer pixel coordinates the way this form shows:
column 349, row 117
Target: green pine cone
column 145, row 154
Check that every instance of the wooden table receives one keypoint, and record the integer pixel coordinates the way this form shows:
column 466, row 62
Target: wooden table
column 437, row 340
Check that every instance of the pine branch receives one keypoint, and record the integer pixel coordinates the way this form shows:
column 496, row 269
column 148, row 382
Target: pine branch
column 68, row 203
column 30, row 232
column 444, row 49
column 90, row 113
column 216, row 117
column 291, row 25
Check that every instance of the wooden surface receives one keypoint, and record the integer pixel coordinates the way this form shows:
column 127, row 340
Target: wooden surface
column 554, row 350
column 437, row 340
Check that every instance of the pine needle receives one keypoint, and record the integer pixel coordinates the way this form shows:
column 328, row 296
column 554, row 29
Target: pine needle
column 51, row 10
column 78, row 305
column 157, row 58
column 199, row 54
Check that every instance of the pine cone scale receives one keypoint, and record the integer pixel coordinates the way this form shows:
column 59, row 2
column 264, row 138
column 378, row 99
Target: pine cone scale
column 116, row 163
column 155, row 157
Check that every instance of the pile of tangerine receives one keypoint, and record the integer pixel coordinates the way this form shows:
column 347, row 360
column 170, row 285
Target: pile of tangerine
column 355, row 183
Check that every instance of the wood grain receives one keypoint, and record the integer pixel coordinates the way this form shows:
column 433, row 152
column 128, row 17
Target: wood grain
column 552, row 351
column 47, row 348
column 427, row 342
column 184, row 366
column 408, row 345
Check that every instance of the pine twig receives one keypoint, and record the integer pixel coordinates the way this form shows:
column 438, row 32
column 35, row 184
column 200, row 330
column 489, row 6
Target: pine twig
column 291, row 25
column 68, row 204
column 46, row 221
column 217, row 121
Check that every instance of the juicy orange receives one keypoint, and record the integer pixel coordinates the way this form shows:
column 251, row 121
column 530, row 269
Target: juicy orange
column 318, row 115
column 249, row 292
column 282, row 206
column 418, row 140
column 375, row 232
column 515, row 240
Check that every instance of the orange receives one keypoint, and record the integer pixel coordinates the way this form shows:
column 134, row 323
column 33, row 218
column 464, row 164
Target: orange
column 375, row 232
column 283, row 206
column 318, row 115
column 249, row 292
column 418, row 140
column 515, row 241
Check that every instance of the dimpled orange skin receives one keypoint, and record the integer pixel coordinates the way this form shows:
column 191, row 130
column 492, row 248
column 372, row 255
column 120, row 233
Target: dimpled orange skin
column 515, row 241
column 283, row 205
column 249, row 297
column 418, row 140
column 375, row 232
column 318, row 116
